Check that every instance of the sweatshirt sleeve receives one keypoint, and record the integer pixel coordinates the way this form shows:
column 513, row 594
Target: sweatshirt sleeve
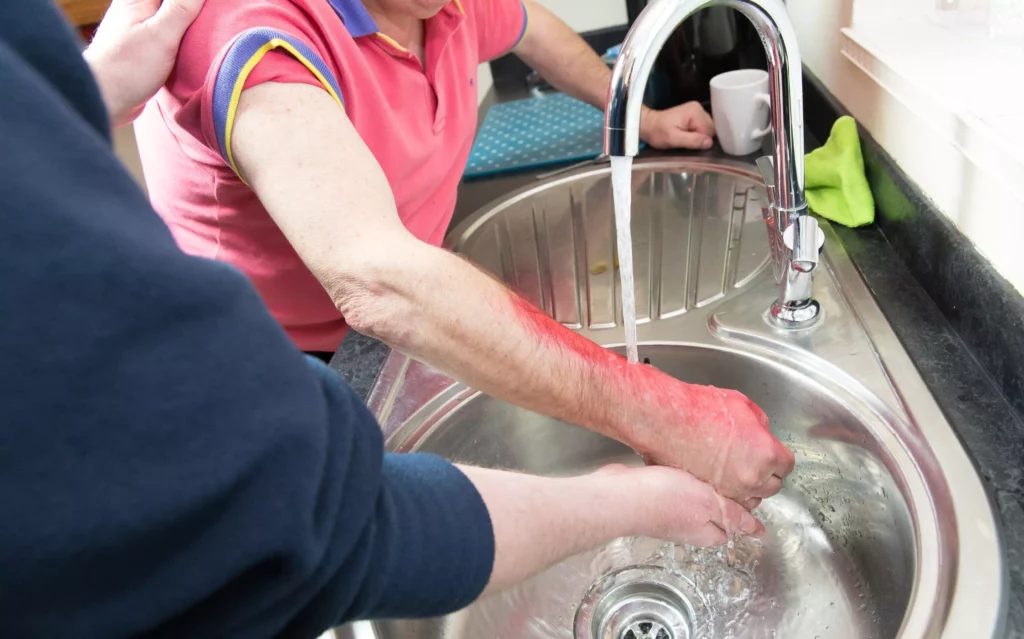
column 170, row 464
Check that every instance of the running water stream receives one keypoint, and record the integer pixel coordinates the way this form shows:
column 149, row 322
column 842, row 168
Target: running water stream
column 622, row 187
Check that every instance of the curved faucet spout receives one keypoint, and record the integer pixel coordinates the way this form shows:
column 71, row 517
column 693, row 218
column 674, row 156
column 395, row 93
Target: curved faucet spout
column 645, row 40
column 798, row 238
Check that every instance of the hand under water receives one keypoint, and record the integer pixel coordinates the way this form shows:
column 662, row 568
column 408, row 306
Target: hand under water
column 720, row 436
column 676, row 506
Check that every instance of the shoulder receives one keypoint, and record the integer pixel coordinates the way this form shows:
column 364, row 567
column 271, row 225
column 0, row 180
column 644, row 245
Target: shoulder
column 222, row 22
column 236, row 45
column 499, row 24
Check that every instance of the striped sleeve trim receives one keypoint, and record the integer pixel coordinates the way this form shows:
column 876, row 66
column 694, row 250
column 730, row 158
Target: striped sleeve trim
column 238, row 62
column 526, row 24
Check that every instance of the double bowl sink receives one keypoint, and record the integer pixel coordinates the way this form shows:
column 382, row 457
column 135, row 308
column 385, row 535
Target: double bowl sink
column 883, row 530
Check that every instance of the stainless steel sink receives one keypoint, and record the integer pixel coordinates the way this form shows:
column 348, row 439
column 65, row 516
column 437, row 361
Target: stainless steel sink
column 883, row 530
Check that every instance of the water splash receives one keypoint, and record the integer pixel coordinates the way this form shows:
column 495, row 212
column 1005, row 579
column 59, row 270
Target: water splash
column 622, row 191
column 793, row 584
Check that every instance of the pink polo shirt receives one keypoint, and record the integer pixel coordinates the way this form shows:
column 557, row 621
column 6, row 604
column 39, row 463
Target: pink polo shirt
column 418, row 121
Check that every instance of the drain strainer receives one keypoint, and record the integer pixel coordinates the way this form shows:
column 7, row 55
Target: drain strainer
column 647, row 630
column 642, row 602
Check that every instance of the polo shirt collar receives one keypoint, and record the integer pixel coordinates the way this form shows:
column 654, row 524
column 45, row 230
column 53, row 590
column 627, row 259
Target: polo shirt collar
column 355, row 16
column 360, row 23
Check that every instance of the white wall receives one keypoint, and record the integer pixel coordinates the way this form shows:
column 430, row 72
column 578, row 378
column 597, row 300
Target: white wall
column 588, row 15
column 128, row 152
column 944, row 158
column 581, row 15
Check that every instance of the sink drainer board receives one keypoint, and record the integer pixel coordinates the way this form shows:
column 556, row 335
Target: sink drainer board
column 698, row 237
column 883, row 530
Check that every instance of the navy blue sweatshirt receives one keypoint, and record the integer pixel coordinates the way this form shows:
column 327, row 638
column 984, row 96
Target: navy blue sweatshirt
column 170, row 465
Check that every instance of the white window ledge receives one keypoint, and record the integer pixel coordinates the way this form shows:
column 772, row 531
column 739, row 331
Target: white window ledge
column 969, row 88
column 947, row 103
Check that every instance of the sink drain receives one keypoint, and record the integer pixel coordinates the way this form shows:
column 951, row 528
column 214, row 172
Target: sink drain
column 647, row 630
column 642, row 602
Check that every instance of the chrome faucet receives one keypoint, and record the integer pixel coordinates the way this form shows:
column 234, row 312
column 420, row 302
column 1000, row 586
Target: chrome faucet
column 795, row 237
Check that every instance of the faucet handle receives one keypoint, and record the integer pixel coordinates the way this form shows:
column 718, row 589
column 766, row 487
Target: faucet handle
column 804, row 238
column 766, row 165
column 776, row 244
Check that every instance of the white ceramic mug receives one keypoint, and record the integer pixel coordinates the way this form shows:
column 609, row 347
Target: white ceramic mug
column 741, row 108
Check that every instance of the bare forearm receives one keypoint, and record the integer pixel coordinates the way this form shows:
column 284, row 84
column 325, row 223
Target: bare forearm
column 560, row 55
column 440, row 309
column 539, row 521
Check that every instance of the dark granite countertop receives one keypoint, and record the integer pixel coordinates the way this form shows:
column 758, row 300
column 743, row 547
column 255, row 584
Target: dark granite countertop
column 986, row 422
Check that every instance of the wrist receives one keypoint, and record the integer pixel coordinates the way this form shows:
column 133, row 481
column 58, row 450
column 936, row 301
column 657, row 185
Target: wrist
column 650, row 401
column 621, row 499
column 633, row 500
column 647, row 117
column 617, row 398
column 118, row 112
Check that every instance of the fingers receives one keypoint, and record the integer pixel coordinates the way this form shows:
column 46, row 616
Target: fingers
column 700, row 121
column 711, row 534
column 612, row 469
column 687, row 126
column 710, row 126
column 683, row 139
column 770, row 487
column 761, row 415
column 788, row 461
column 708, row 535
column 752, row 503
column 784, row 461
column 760, row 530
column 734, row 518
column 175, row 16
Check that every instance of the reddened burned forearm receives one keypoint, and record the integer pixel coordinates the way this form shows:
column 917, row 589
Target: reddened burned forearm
column 474, row 329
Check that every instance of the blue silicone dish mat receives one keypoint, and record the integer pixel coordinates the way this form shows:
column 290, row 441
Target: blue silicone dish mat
column 534, row 132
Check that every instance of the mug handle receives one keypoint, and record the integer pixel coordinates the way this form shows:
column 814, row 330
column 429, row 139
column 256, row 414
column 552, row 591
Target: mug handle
column 765, row 99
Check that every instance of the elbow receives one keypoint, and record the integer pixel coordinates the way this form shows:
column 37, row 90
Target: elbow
column 374, row 306
column 368, row 313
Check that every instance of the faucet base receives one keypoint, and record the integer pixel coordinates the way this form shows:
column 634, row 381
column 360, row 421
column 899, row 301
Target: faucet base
column 795, row 315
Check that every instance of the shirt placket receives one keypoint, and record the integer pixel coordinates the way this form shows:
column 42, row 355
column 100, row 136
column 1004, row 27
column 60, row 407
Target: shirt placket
column 449, row 21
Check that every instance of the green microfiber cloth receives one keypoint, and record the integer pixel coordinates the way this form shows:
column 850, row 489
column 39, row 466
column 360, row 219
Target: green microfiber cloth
column 837, row 188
